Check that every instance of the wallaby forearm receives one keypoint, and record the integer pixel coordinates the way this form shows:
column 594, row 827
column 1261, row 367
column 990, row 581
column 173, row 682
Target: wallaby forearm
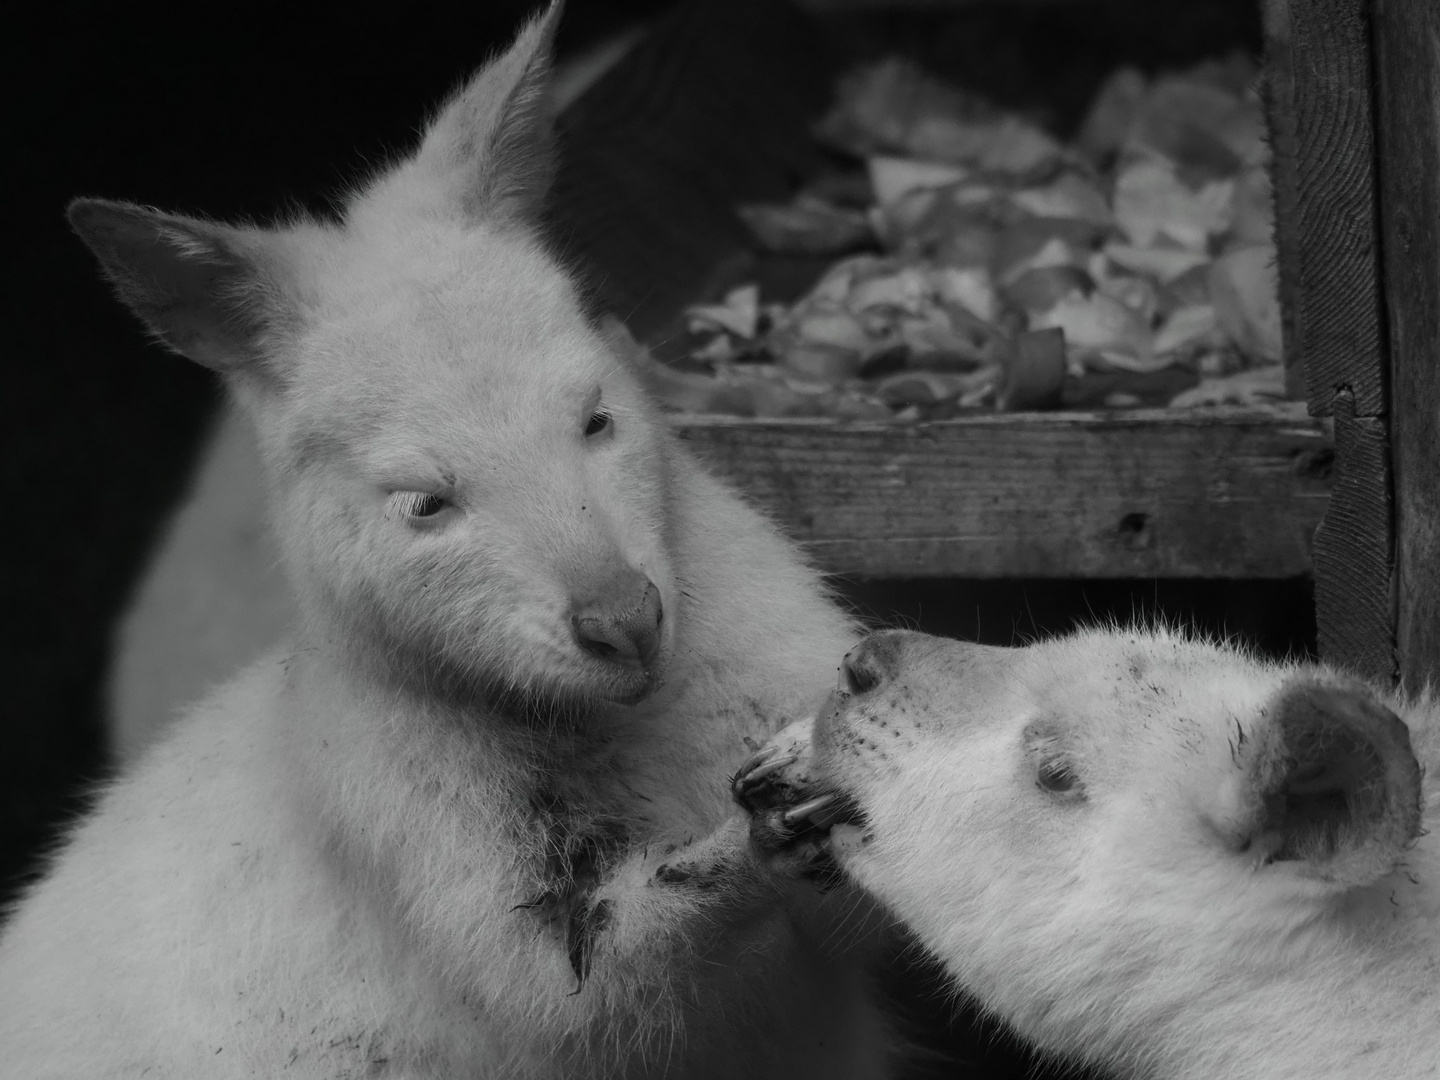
column 592, row 917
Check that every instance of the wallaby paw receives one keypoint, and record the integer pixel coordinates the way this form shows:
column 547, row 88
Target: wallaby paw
column 706, row 863
column 791, row 809
column 777, row 775
column 692, row 874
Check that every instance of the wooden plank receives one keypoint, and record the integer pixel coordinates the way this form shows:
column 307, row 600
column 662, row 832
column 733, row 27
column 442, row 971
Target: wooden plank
column 1279, row 96
column 1407, row 43
column 827, row 6
column 1146, row 493
column 1321, row 111
column 1321, row 107
column 1354, row 617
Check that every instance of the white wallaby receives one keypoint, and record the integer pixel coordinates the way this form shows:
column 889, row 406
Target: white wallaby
column 471, row 818
column 213, row 598
column 1146, row 852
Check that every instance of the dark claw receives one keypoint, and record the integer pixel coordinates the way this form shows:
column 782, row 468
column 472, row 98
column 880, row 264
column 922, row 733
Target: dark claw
column 806, row 809
column 770, row 767
column 764, row 753
column 586, row 922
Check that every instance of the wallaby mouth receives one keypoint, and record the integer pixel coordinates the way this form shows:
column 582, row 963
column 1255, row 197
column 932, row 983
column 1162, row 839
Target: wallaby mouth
column 633, row 688
column 626, row 679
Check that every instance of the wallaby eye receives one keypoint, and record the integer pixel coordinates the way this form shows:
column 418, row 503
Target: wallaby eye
column 1057, row 776
column 1048, row 753
column 414, row 504
column 599, row 421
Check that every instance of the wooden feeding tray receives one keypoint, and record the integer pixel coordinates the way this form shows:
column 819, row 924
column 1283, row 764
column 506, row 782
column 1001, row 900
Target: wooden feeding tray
column 1224, row 492
column 714, row 107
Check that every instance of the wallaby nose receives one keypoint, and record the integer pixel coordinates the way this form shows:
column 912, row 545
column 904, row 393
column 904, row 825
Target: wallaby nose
column 870, row 663
column 621, row 623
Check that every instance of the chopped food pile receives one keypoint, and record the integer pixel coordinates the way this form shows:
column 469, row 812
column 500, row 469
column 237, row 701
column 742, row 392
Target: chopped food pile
column 983, row 265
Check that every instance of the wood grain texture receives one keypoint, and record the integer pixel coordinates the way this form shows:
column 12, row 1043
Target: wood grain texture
column 1148, row 493
column 1321, row 103
column 1407, row 43
column 1278, row 89
column 1321, row 112
column 1354, row 584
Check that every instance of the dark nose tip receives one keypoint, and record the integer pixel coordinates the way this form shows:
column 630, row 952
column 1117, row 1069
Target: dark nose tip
column 622, row 624
column 869, row 664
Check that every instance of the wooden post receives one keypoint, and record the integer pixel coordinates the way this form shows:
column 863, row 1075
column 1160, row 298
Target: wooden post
column 1321, row 108
column 1407, row 52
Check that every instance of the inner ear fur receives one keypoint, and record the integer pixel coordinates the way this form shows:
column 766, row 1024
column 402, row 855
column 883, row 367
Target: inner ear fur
column 1336, row 785
column 490, row 149
column 209, row 291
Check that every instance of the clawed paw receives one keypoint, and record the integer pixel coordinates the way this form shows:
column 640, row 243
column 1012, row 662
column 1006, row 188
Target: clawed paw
column 791, row 809
column 778, row 774
column 710, row 862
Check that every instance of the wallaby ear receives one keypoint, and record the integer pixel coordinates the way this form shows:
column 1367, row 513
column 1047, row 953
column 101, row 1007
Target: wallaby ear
column 491, row 148
column 1334, row 786
column 208, row 291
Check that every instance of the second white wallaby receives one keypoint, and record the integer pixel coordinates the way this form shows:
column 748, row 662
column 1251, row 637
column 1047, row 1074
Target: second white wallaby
column 470, row 820
column 1152, row 854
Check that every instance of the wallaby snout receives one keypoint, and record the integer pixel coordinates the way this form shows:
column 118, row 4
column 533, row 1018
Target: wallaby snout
column 620, row 621
column 869, row 664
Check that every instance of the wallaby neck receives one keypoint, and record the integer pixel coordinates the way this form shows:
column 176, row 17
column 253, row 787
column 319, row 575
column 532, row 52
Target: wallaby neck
column 1262, row 1021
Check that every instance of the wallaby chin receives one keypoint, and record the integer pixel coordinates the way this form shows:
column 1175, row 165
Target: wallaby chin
column 578, row 699
column 425, row 834
column 578, row 703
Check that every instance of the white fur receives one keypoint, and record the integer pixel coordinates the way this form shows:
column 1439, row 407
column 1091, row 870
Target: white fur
column 1140, row 921
column 361, row 857
column 212, row 598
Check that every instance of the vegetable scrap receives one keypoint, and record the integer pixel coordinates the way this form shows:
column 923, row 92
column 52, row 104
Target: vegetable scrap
column 982, row 264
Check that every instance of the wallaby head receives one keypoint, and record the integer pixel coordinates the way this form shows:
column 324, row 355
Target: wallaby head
column 466, row 480
column 1103, row 784
column 1156, row 854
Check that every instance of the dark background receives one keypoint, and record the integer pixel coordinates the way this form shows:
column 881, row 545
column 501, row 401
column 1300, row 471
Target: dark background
column 233, row 114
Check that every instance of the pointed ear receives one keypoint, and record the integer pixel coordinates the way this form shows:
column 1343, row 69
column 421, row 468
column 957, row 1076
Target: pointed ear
column 1334, row 786
column 208, row 291
column 492, row 146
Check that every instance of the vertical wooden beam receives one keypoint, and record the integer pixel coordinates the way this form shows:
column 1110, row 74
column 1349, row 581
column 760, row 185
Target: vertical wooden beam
column 1407, row 51
column 1354, row 598
column 1321, row 106
column 1279, row 88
